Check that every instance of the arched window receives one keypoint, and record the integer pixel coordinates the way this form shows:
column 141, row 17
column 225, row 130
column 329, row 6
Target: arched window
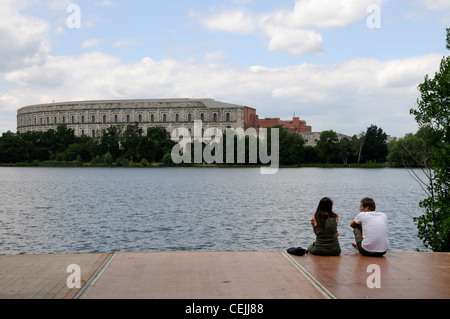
column 116, row 118
column 93, row 118
column 202, row 117
column 54, row 119
column 140, row 118
column 73, row 119
column 228, row 117
column 152, row 118
column 128, row 118
column 164, row 118
column 104, row 118
column 82, row 119
column 177, row 118
column 64, row 119
column 189, row 117
column 93, row 133
column 215, row 117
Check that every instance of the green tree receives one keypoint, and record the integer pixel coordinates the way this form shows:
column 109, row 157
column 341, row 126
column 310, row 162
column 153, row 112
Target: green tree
column 374, row 148
column 433, row 113
column 357, row 145
column 344, row 148
column 311, row 155
column 110, row 141
column 162, row 142
column 130, row 141
column 12, row 148
column 408, row 151
column 327, row 146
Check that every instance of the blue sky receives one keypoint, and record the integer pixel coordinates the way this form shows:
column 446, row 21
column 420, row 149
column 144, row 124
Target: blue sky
column 340, row 65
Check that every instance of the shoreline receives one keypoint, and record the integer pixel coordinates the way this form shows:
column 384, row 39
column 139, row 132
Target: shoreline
column 158, row 165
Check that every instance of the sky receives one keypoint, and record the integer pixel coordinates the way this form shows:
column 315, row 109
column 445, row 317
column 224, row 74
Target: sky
column 340, row 65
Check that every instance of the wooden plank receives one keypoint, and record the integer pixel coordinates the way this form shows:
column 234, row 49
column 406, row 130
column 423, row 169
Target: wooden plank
column 403, row 275
column 202, row 275
column 43, row 276
column 228, row 275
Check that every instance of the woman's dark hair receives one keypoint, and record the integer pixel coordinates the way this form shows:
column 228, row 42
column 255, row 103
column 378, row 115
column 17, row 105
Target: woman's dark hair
column 324, row 210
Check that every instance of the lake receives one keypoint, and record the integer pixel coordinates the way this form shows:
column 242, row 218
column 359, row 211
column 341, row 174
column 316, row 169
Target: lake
column 84, row 210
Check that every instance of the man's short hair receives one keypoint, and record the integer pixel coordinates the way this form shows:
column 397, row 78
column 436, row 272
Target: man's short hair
column 368, row 202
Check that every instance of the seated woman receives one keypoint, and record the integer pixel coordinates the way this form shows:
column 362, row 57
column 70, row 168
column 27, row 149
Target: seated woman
column 324, row 225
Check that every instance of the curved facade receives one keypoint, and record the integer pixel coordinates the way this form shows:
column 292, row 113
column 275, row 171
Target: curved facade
column 92, row 117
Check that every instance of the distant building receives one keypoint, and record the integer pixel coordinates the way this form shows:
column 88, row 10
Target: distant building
column 92, row 117
column 311, row 138
column 295, row 126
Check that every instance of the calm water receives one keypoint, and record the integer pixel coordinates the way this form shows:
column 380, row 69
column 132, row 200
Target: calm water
column 79, row 210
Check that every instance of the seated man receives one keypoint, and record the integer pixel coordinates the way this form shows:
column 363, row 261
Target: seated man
column 370, row 229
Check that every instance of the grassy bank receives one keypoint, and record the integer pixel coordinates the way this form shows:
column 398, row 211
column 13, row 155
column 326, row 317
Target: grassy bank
column 53, row 163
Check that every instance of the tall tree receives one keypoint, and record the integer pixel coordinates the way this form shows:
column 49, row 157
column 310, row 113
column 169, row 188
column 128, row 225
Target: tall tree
column 327, row 146
column 374, row 148
column 433, row 113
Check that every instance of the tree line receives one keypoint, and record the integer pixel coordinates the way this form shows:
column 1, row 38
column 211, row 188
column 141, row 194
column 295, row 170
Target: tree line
column 129, row 145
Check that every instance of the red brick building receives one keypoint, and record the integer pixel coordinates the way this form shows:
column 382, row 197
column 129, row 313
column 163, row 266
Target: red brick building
column 296, row 125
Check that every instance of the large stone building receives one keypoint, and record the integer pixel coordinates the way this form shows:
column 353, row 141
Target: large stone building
column 91, row 117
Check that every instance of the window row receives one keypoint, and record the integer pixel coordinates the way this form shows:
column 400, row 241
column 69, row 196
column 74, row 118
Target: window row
column 215, row 132
column 83, row 119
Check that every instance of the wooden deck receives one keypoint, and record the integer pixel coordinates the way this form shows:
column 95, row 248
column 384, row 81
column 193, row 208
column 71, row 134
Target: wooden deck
column 226, row 275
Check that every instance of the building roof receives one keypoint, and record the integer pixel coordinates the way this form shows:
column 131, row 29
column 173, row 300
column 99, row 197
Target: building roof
column 208, row 102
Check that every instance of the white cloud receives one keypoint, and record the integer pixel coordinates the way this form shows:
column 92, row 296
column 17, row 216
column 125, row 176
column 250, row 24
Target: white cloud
column 126, row 42
column 435, row 4
column 89, row 43
column 292, row 30
column 296, row 41
column 23, row 39
column 346, row 97
column 324, row 13
column 105, row 3
column 442, row 6
column 234, row 21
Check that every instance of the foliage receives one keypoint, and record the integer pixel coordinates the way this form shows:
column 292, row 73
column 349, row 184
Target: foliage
column 432, row 115
column 327, row 146
column 374, row 148
column 116, row 145
column 408, row 151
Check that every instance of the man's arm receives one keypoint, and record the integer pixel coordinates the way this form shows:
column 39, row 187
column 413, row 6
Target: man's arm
column 353, row 224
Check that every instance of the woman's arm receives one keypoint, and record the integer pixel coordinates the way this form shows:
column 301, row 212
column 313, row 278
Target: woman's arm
column 314, row 223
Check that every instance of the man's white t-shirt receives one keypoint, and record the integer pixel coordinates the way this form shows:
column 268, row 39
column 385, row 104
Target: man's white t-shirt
column 374, row 225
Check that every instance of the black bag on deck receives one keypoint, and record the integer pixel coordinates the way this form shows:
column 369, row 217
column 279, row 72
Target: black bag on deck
column 297, row 251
